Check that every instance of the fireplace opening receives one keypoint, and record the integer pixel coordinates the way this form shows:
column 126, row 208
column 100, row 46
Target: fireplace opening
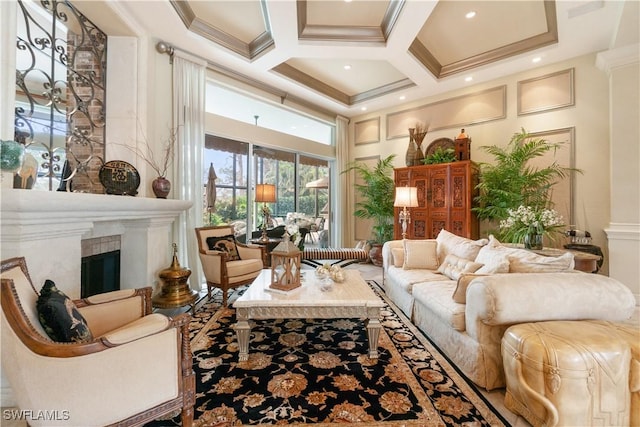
column 100, row 273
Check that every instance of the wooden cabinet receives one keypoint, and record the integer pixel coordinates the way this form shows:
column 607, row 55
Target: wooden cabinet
column 445, row 196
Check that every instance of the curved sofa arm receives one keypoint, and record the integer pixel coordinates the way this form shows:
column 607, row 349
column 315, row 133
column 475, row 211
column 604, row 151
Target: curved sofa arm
column 510, row 298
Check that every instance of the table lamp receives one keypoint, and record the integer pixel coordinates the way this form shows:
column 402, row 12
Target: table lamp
column 265, row 193
column 406, row 197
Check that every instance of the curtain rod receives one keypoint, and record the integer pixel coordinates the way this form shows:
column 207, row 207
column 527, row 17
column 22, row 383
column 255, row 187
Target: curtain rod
column 164, row 47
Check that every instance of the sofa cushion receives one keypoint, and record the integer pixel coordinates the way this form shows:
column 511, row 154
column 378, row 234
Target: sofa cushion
column 420, row 254
column 449, row 243
column 224, row 244
column 407, row 278
column 493, row 259
column 436, row 297
column 453, row 266
column 398, row 256
column 59, row 316
column 523, row 261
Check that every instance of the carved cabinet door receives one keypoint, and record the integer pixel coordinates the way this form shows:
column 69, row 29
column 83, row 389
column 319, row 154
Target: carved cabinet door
column 445, row 197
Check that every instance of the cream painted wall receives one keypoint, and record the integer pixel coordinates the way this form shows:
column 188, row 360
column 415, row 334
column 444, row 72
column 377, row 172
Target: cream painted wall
column 589, row 116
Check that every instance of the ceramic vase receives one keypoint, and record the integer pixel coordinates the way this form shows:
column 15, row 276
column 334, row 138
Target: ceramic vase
column 419, row 158
column 410, row 156
column 161, row 187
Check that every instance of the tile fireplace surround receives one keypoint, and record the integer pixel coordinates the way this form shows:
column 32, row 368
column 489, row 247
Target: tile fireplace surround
column 48, row 228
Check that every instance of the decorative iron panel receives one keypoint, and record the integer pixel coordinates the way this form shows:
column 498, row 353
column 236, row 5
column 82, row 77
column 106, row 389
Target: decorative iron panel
column 60, row 94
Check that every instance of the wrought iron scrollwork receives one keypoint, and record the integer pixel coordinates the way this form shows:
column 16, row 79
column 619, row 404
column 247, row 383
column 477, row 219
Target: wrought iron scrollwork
column 60, row 91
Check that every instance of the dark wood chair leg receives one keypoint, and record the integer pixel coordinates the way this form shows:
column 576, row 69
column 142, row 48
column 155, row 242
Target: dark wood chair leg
column 187, row 417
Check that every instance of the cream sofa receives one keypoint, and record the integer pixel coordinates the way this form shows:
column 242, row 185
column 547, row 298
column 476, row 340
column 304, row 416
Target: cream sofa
column 464, row 294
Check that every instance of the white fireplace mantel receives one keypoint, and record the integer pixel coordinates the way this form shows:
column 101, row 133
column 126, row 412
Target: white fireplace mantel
column 47, row 229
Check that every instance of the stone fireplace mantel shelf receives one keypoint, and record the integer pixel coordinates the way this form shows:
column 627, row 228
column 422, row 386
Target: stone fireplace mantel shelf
column 26, row 207
column 48, row 228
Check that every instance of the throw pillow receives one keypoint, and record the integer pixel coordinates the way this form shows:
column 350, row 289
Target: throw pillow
column 449, row 243
column 494, row 259
column 59, row 316
column 523, row 261
column 398, row 257
column 460, row 294
column 224, row 244
column 420, row 254
column 453, row 267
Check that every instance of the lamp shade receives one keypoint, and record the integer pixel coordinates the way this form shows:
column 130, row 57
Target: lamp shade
column 265, row 193
column 406, row 197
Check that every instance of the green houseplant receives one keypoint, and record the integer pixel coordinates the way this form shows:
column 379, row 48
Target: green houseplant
column 376, row 190
column 511, row 181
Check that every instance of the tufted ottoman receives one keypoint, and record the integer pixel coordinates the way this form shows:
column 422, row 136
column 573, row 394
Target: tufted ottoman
column 567, row 373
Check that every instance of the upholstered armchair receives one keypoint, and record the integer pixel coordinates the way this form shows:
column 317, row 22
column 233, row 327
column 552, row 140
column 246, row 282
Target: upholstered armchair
column 226, row 262
column 135, row 367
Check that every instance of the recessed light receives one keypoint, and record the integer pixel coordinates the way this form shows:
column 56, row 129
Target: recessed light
column 470, row 14
column 468, row 79
column 347, row 67
column 536, row 59
column 364, row 108
column 402, row 98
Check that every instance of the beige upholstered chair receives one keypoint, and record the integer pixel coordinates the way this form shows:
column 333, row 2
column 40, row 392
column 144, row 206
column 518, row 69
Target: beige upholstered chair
column 219, row 270
column 137, row 367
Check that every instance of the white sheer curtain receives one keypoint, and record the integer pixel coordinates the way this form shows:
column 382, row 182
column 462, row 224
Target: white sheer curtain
column 188, row 117
column 343, row 210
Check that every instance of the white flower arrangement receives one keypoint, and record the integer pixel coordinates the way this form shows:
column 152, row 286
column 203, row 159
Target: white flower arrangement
column 294, row 232
column 527, row 220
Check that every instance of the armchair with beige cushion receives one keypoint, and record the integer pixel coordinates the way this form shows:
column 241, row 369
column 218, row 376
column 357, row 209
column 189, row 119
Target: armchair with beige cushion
column 133, row 367
column 227, row 263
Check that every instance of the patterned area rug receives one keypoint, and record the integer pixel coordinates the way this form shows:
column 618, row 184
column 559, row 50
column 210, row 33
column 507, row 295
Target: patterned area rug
column 317, row 372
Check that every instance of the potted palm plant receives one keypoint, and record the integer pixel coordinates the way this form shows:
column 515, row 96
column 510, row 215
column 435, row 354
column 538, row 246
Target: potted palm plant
column 511, row 182
column 376, row 190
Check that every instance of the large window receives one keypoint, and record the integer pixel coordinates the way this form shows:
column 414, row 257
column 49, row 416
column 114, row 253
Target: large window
column 229, row 160
column 248, row 109
column 302, row 184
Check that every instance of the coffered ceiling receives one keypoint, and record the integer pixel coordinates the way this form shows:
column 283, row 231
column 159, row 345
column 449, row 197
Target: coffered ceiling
column 343, row 56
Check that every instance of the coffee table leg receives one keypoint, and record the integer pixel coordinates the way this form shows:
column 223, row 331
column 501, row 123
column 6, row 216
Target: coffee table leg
column 373, row 333
column 243, row 332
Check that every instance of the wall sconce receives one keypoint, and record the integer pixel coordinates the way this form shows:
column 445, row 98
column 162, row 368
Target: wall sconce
column 406, row 197
column 265, row 193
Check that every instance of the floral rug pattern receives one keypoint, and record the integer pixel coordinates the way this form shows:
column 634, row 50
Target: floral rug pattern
column 317, row 372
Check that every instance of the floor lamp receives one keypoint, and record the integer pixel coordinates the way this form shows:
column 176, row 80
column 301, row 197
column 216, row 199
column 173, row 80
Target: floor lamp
column 265, row 193
column 406, row 197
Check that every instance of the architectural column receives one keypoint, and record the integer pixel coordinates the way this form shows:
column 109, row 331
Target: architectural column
column 622, row 67
column 8, row 10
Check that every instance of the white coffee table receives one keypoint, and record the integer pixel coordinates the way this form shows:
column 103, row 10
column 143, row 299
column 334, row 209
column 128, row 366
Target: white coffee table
column 352, row 298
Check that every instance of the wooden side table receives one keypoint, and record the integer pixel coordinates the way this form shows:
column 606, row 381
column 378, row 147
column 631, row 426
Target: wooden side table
column 269, row 245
